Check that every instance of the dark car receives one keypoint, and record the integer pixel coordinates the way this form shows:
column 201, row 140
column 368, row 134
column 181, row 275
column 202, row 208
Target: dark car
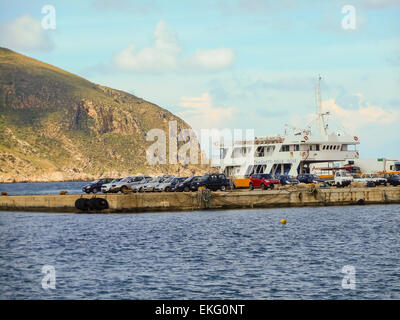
column 286, row 179
column 185, row 185
column 95, row 186
column 263, row 181
column 309, row 178
column 213, row 181
column 393, row 179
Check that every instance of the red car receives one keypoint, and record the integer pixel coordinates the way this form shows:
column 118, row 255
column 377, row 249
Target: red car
column 263, row 181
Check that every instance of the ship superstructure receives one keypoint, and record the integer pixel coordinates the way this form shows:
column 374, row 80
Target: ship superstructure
column 290, row 153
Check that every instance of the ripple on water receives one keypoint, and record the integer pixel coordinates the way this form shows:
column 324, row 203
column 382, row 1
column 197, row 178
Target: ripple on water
column 235, row 254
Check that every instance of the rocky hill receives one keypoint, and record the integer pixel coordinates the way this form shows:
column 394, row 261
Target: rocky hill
column 56, row 126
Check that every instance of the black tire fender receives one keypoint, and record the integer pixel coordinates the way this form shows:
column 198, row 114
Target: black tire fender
column 98, row 204
column 82, row 204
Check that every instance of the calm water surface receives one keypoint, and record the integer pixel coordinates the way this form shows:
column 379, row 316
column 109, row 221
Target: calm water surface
column 42, row 187
column 236, row 254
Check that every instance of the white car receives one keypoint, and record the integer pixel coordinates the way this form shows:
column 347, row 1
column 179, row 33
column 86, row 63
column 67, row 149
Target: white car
column 117, row 187
column 375, row 179
column 138, row 180
column 107, row 187
column 168, row 184
column 150, row 186
column 343, row 178
column 138, row 187
column 129, row 182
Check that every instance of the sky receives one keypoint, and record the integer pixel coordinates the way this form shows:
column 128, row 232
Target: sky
column 237, row 64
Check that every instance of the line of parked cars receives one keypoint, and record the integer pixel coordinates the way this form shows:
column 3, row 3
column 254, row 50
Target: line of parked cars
column 212, row 181
column 218, row 181
column 344, row 178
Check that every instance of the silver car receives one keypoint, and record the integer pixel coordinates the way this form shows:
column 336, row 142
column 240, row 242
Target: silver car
column 122, row 185
column 138, row 187
column 107, row 187
column 164, row 185
column 150, row 186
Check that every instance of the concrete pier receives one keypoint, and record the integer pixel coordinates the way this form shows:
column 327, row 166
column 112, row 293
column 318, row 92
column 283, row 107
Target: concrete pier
column 204, row 199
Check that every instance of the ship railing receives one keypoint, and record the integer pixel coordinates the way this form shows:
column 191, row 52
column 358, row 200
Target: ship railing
column 257, row 141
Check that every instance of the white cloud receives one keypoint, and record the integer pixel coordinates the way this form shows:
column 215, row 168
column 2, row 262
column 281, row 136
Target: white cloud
column 25, row 33
column 352, row 121
column 201, row 114
column 212, row 59
column 161, row 57
column 166, row 55
column 365, row 115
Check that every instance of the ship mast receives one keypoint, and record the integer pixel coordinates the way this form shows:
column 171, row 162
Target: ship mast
column 322, row 127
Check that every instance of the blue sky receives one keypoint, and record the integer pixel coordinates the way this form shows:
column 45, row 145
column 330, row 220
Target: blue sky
column 231, row 64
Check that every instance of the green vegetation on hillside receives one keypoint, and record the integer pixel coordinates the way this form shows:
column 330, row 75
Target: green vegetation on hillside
column 52, row 121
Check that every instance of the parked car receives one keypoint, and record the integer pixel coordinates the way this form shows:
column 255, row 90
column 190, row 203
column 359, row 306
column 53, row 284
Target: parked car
column 151, row 185
column 343, row 178
column 107, row 187
column 375, row 179
column 263, row 181
column 95, row 186
column 393, row 179
column 138, row 187
column 169, row 184
column 309, row 178
column 162, row 184
column 117, row 187
column 213, row 181
column 137, row 180
column 286, row 179
column 185, row 185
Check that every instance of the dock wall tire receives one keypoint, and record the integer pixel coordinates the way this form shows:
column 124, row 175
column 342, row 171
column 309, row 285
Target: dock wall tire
column 98, row 204
column 82, row 204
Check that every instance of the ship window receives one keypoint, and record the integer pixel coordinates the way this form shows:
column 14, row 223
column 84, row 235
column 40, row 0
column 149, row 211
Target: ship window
column 222, row 153
column 296, row 147
column 317, row 147
column 344, row 147
column 323, row 148
column 260, row 151
column 285, row 148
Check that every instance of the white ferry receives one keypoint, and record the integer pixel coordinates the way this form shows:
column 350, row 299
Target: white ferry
column 288, row 154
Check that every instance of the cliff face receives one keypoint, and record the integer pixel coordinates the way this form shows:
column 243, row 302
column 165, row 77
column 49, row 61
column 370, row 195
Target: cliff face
column 57, row 126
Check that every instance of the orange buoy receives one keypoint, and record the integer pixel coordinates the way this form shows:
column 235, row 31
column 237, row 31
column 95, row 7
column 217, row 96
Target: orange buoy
column 283, row 221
